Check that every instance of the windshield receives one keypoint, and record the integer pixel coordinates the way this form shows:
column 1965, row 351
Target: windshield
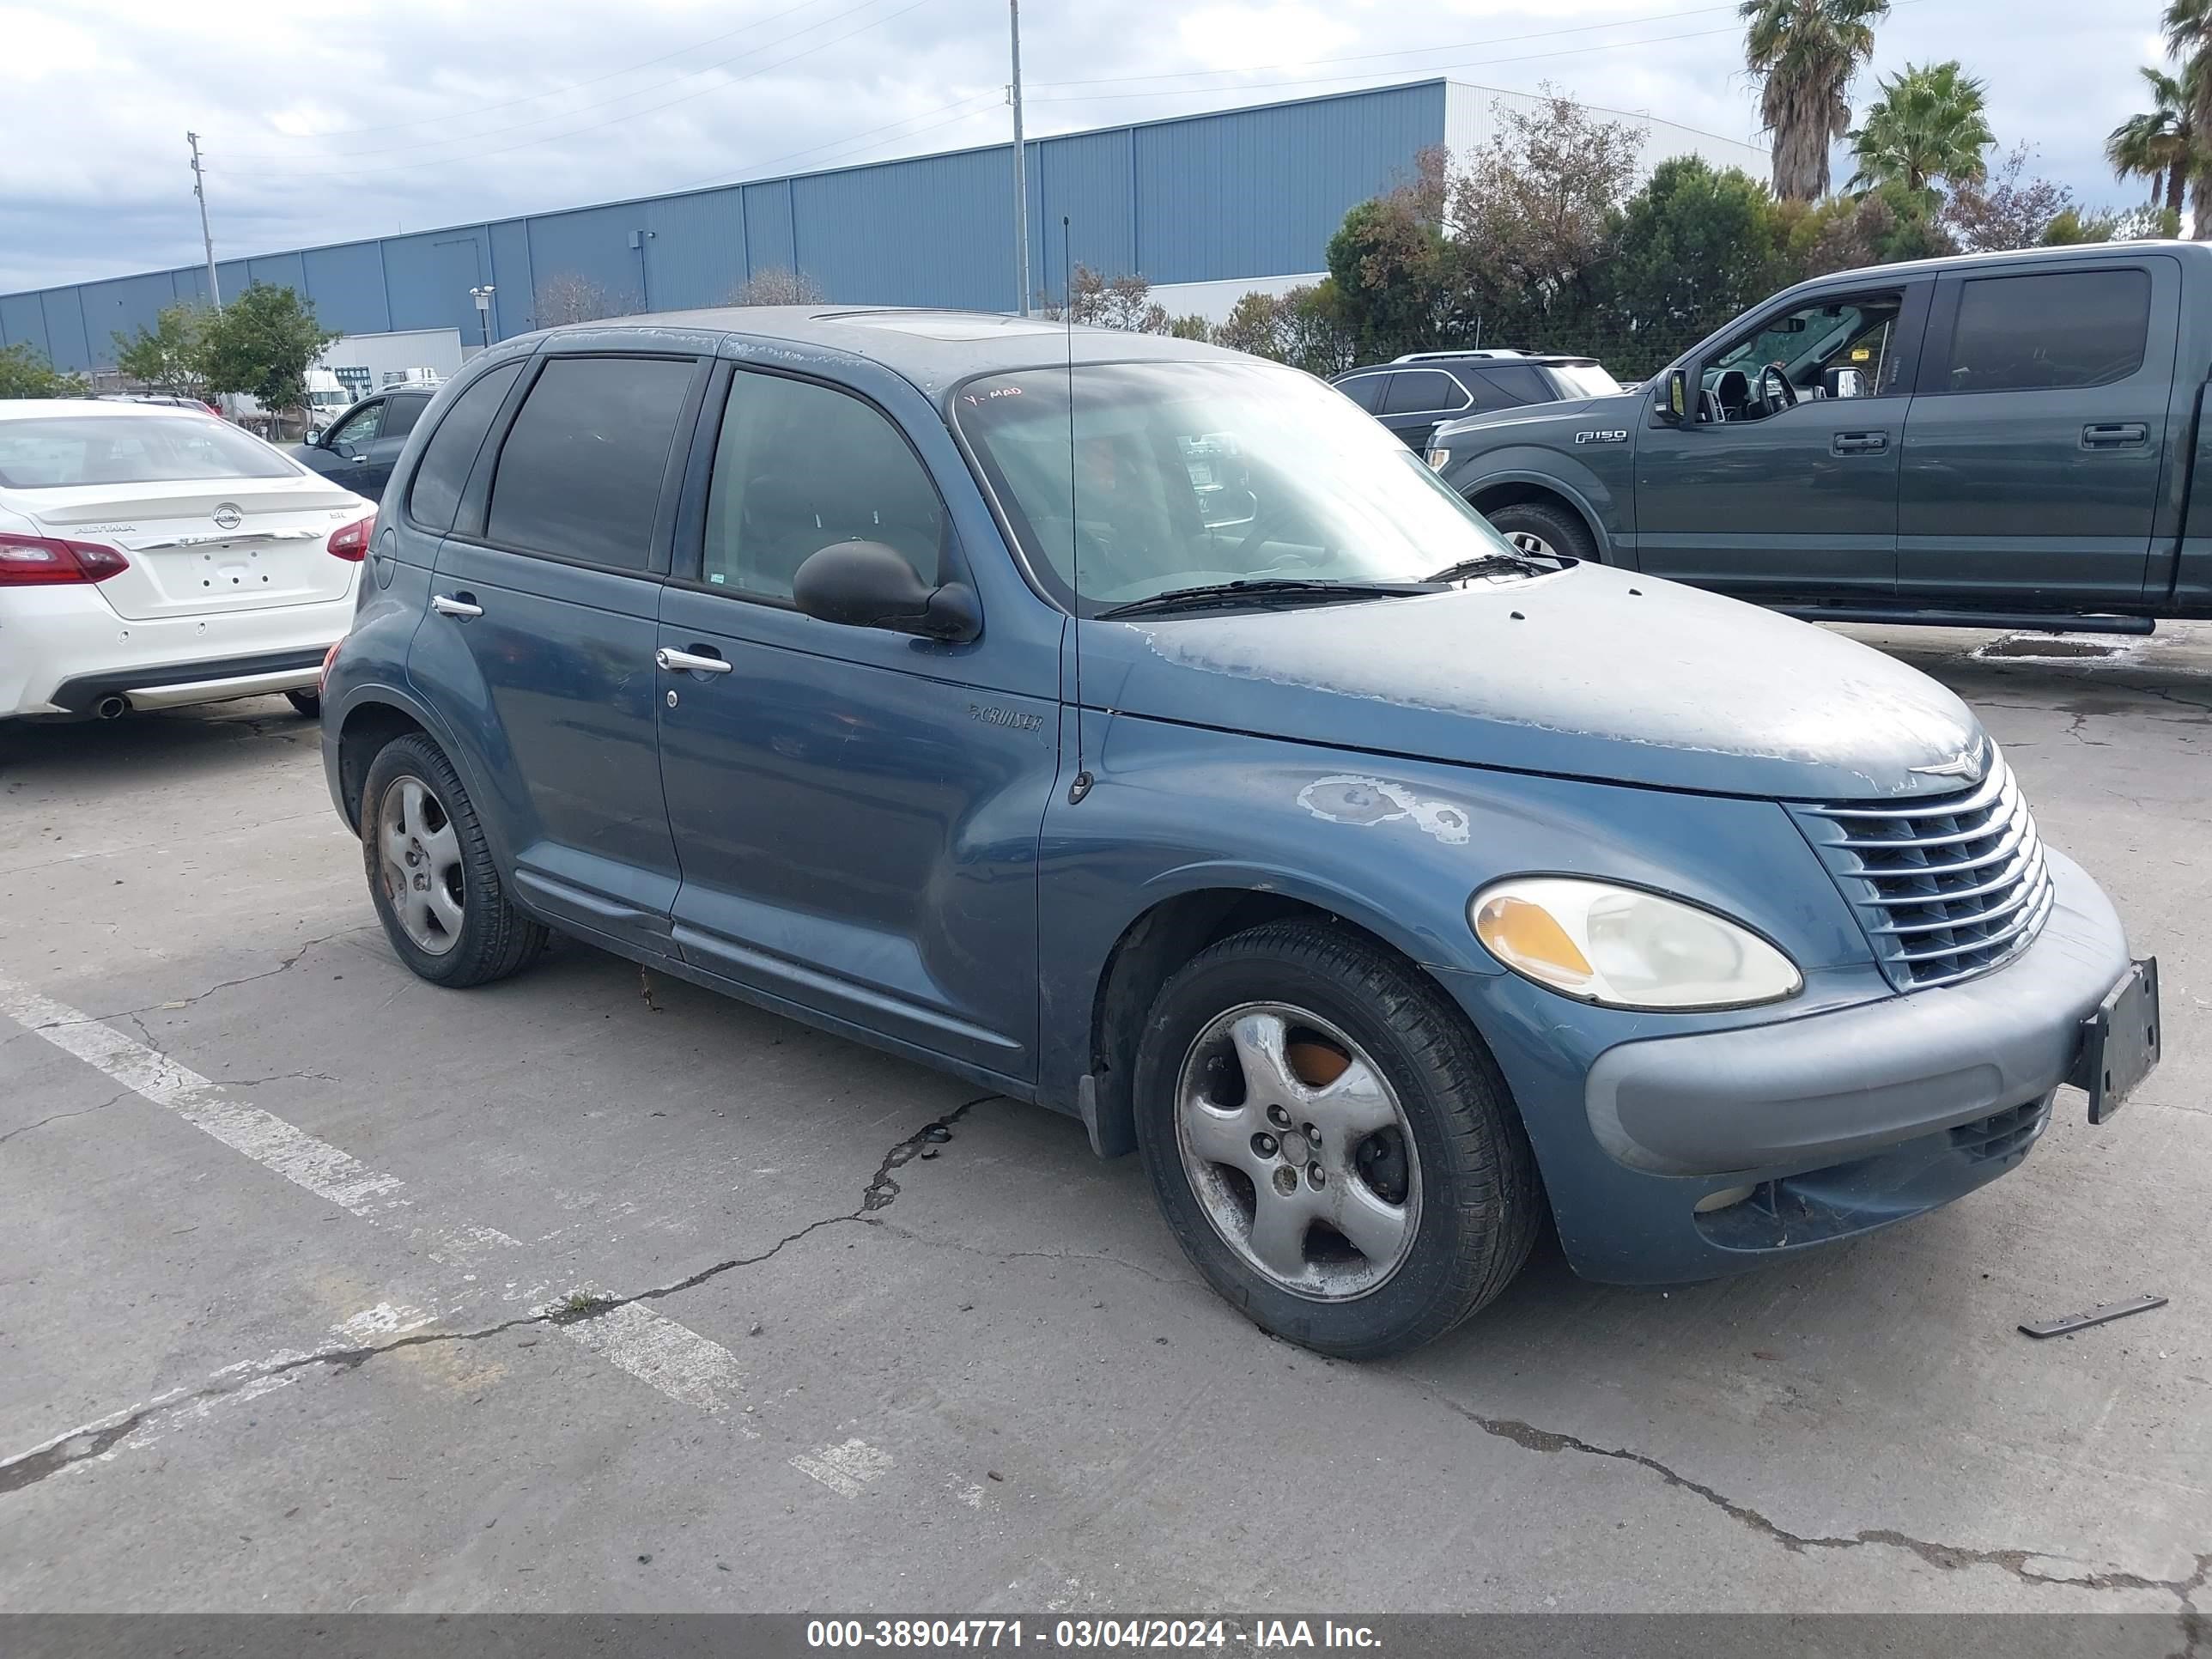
column 1193, row 473
column 55, row 452
column 1585, row 380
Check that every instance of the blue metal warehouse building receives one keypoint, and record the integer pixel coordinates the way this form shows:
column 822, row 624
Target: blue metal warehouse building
column 1232, row 198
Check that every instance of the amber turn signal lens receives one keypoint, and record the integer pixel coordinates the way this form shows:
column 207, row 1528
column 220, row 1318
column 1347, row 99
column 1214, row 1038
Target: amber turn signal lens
column 1524, row 935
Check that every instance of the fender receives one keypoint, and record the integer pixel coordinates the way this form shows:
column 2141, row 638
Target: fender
column 1602, row 509
column 361, row 693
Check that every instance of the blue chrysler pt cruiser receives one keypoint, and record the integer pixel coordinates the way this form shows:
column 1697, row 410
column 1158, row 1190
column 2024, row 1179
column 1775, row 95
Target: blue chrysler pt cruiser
column 1138, row 728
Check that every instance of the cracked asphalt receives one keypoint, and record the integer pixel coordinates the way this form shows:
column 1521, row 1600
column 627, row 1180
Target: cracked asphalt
column 321, row 1289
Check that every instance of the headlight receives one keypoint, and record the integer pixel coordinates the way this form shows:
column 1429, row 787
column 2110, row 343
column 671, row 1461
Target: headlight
column 1624, row 948
column 1439, row 458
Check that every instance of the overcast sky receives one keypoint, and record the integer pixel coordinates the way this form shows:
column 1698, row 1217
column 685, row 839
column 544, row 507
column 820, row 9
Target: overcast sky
column 323, row 121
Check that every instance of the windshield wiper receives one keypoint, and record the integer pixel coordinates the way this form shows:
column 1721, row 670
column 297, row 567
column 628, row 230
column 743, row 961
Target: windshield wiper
column 1248, row 588
column 1483, row 563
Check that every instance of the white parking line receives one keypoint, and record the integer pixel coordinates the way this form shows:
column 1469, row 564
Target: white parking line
column 844, row 1469
column 651, row 1346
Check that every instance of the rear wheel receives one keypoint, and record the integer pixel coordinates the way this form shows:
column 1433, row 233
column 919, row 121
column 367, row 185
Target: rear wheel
column 309, row 703
column 1331, row 1142
column 430, row 872
column 1543, row 529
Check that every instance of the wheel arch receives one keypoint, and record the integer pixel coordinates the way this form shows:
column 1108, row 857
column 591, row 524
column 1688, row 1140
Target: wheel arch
column 1158, row 941
column 373, row 716
column 1494, row 494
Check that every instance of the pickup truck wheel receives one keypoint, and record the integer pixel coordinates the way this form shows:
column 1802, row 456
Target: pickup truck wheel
column 1540, row 528
column 430, row 872
column 1330, row 1141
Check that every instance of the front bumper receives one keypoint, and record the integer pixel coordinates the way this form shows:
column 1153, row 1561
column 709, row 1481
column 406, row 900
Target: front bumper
column 1836, row 1123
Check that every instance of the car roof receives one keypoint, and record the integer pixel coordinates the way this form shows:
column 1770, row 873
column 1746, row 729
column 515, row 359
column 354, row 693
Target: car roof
column 22, row 408
column 934, row 349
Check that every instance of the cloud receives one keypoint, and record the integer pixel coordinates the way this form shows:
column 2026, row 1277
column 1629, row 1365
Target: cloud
column 430, row 114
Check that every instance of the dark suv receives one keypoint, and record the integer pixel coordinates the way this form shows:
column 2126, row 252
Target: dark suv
column 1413, row 394
column 1387, row 890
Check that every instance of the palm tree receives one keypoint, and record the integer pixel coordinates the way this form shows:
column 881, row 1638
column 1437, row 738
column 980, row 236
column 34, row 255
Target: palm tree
column 1927, row 125
column 2159, row 144
column 1805, row 53
column 2188, row 26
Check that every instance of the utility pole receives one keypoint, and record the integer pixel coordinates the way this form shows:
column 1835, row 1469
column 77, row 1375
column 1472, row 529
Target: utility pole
column 1021, row 168
column 207, row 237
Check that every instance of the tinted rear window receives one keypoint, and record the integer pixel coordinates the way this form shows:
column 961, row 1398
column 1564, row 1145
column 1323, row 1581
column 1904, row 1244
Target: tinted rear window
column 580, row 474
column 2067, row 329
column 1516, row 384
column 60, row 452
column 400, row 414
column 436, row 494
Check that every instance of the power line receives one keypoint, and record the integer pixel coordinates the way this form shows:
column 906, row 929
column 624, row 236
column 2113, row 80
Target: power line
column 326, row 174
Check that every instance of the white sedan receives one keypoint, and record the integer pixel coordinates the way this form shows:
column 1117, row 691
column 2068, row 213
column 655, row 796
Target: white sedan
column 151, row 556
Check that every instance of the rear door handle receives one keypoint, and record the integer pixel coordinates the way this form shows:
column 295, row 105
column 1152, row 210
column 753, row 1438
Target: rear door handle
column 675, row 661
column 1860, row 443
column 2114, row 434
column 458, row 605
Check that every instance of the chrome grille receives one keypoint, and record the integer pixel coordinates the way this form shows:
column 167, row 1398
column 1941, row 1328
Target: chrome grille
column 1947, row 886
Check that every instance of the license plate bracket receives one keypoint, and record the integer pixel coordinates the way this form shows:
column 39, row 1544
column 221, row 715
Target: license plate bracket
column 2120, row 1040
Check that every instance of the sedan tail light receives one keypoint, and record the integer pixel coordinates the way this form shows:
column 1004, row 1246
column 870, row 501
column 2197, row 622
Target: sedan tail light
column 350, row 542
column 41, row 560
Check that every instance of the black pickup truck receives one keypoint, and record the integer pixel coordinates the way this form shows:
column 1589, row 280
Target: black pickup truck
column 1999, row 440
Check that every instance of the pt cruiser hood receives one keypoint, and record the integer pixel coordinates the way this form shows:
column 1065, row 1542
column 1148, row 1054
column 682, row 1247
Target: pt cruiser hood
column 1592, row 672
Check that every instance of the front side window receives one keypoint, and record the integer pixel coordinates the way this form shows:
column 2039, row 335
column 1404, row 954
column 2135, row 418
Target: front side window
column 360, row 428
column 1185, row 474
column 1366, row 390
column 436, row 494
column 799, row 466
column 1858, row 332
column 581, row 472
column 1423, row 392
column 2074, row 328
column 60, row 452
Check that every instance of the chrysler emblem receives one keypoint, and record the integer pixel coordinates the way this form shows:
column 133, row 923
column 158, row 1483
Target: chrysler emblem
column 1966, row 764
column 227, row 517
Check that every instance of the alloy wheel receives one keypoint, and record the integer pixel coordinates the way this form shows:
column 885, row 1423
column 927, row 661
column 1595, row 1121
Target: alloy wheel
column 1298, row 1150
column 419, row 853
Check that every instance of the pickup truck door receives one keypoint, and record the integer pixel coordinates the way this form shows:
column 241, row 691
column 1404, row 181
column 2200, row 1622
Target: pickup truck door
column 1800, row 502
column 2034, row 445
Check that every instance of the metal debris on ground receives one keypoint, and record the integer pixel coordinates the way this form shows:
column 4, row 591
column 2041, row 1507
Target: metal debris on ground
column 2081, row 1321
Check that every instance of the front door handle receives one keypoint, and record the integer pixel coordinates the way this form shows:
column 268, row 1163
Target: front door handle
column 674, row 660
column 461, row 606
column 2114, row 434
column 1861, row 443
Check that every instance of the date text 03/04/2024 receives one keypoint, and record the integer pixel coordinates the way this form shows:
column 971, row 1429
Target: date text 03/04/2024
column 1203, row 1635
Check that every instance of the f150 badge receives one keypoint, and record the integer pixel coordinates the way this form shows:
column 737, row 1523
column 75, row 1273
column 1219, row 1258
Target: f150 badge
column 1613, row 437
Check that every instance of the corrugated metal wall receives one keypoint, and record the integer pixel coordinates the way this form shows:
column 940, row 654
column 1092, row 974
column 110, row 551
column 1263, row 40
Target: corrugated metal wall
column 1249, row 192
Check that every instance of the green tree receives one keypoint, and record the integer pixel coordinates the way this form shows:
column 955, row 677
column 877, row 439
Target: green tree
column 1804, row 54
column 1695, row 246
column 2188, row 25
column 262, row 342
column 2160, row 143
column 1928, row 126
column 25, row 373
column 172, row 355
column 1386, row 266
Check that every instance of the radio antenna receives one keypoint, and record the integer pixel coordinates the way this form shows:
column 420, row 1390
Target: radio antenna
column 1081, row 785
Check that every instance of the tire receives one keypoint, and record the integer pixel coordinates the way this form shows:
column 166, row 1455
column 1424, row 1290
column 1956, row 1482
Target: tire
column 1560, row 529
column 453, row 924
column 309, row 704
column 1468, row 1204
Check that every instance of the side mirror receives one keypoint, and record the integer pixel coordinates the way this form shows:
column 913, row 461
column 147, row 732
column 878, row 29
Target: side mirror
column 867, row 585
column 312, row 438
column 1672, row 403
column 1843, row 383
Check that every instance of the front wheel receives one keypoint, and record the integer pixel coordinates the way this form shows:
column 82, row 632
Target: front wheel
column 307, row 703
column 430, row 872
column 1542, row 529
column 1330, row 1141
